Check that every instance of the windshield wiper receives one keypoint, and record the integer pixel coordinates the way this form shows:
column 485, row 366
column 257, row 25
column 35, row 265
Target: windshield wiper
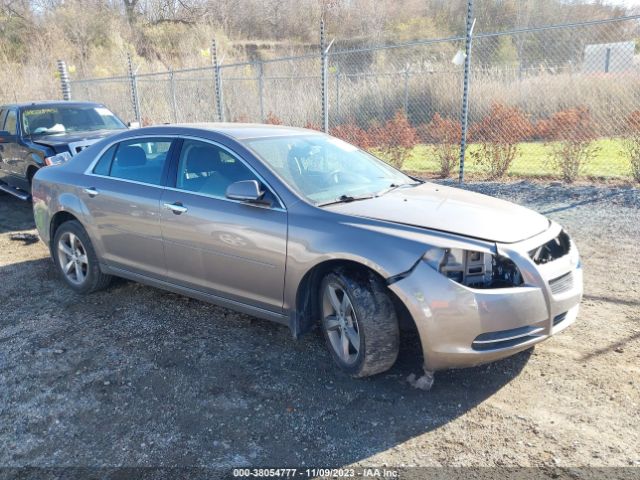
column 352, row 198
column 393, row 186
column 347, row 199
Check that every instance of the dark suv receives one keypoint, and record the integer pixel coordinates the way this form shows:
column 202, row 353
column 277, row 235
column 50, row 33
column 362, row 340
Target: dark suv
column 34, row 135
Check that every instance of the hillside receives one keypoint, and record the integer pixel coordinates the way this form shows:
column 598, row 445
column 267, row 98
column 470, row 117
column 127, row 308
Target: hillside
column 94, row 36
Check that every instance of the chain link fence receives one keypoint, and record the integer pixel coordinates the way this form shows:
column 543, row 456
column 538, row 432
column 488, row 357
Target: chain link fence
column 556, row 102
column 112, row 91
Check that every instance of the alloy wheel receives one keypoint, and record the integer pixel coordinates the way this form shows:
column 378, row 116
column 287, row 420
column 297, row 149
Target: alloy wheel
column 72, row 257
column 340, row 323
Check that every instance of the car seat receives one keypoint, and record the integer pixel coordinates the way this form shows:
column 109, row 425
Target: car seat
column 202, row 171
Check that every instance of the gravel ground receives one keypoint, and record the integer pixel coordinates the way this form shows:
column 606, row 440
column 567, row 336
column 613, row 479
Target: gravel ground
column 136, row 376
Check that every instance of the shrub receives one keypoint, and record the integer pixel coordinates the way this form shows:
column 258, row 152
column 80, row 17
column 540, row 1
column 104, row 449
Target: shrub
column 352, row 133
column 445, row 134
column 394, row 139
column 633, row 122
column 542, row 129
column 503, row 124
column 272, row 119
column 313, row 126
column 632, row 149
column 632, row 144
column 572, row 132
column 498, row 135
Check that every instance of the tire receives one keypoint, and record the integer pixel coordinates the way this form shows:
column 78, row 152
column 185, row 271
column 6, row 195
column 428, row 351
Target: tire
column 371, row 316
column 72, row 248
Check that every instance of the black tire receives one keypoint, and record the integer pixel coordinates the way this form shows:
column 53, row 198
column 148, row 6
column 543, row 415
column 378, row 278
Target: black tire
column 94, row 279
column 377, row 322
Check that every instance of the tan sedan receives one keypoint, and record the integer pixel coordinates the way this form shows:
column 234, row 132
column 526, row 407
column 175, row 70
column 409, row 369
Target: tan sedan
column 298, row 227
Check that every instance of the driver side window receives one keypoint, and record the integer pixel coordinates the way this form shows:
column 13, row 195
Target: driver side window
column 208, row 169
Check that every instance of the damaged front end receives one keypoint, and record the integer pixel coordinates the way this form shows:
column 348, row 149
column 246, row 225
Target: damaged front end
column 480, row 303
column 474, row 269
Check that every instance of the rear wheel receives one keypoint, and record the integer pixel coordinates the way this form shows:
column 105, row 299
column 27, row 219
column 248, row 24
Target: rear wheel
column 76, row 260
column 359, row 322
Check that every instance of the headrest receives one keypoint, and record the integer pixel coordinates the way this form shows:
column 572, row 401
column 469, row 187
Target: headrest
column 202, row 159
column 131, row 156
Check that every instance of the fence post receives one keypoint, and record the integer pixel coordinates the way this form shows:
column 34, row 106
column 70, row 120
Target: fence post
column 607, row 60
column 406, row 91
column 323, row 56
column 217, row 80
column 261, row 89
column 464, row 117
column 337, row 97
column 65, row 85
column 133, row 83
column 174, row 103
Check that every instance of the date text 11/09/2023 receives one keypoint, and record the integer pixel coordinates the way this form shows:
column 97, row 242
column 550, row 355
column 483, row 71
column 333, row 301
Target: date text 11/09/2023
column 315, row 473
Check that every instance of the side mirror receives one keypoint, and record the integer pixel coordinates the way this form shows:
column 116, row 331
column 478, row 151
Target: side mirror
column 4, row 136
column 133, row 124
column 245, row 191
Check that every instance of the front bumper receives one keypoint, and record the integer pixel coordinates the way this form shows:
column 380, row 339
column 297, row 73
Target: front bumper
column 461, row 326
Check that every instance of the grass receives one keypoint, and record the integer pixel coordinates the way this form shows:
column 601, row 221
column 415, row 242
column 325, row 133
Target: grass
column 533, row 161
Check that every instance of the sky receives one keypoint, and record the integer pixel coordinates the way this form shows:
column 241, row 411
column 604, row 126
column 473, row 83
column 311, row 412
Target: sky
column 626, row 3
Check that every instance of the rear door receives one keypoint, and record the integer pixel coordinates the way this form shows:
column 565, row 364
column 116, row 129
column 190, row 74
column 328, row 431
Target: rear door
column 122, row 194
column 224, row 247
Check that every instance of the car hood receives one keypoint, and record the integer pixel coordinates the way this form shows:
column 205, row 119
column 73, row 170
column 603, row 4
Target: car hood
column 62, row 139
column 451, row 210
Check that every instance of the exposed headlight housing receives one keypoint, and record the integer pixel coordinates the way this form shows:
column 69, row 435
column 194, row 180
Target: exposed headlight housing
column 474, row 269
column 58, row 159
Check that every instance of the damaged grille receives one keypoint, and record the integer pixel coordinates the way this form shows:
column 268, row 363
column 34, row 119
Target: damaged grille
column 561, row 284
column 552, row 250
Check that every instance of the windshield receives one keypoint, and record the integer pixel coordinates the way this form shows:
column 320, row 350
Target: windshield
column 325, row 169
column 48, row 120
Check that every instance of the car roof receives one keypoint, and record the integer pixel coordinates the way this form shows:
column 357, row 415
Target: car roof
column 52, row 103
column 245, row 131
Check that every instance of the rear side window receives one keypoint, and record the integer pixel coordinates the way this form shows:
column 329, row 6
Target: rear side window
column 104, row 164
column 140, row 160
column 11, row 122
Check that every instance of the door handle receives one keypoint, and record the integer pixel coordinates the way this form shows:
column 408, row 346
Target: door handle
column 91, row 191
column 176, row 208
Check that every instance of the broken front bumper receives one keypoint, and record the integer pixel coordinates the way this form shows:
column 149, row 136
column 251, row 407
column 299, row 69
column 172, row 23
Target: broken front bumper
column 461, row 326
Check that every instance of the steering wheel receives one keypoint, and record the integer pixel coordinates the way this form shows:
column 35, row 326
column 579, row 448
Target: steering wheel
column 333, row 176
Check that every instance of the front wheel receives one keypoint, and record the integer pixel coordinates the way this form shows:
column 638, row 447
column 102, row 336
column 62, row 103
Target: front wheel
column 359, row 322
column 76, row 260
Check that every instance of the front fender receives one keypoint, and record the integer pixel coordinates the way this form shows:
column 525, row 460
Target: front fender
column 313, row 242
column 32, row 160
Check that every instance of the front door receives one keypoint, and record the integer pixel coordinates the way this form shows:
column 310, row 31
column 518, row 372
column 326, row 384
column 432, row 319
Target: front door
column 227, row 248
column 12, row 153
column 122, row 194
